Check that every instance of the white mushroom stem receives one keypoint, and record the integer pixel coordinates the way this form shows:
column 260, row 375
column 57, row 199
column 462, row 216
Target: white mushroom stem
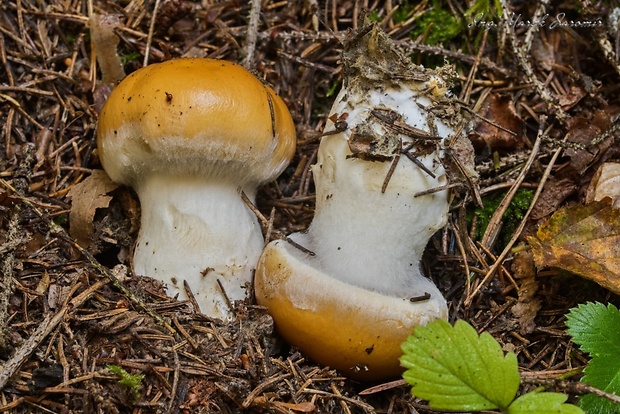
column 200, row 232
column 360, row 235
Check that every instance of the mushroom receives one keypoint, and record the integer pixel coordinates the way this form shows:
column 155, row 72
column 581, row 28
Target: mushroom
column 349, row 290
column 190, row 135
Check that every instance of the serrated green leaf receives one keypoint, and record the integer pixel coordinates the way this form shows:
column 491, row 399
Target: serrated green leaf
column 592, row 404
column 602, row 372
column 454, row 369
column 543, row 403
column 595, row 328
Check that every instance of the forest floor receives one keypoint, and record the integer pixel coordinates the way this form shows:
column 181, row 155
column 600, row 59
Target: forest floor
column 544, row 102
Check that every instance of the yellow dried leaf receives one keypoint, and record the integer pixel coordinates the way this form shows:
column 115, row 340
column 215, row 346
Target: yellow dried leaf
column 582, row 239
column 86, row 198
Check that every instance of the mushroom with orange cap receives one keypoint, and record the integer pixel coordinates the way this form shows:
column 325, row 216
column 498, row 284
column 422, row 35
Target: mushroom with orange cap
column 189, row 135
column 355, row 291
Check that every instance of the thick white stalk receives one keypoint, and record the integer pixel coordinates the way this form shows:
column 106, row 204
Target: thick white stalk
column 200, row 232
column 360, row 235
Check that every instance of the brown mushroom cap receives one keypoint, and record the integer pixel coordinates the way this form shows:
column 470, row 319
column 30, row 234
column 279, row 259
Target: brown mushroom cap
column 195, row 116
column 354, row 330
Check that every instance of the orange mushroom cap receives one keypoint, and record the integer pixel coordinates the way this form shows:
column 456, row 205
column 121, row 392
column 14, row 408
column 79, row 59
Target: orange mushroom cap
column 195, row 115
column 354, row 330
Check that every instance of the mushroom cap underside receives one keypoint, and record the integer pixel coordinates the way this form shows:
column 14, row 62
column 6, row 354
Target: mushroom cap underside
column 354, row 330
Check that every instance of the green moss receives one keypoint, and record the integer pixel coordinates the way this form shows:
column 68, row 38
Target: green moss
column 132, row 382
column 373, row 16
column 61, row 220
column 130, row 57
column 403, row 11
column 71, row 38
column 334, row 89
column 438, row 24
column 487, row 8
column 512, row 217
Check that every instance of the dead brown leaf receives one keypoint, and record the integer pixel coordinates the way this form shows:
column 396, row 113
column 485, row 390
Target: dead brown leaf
column 605, row 183
column 581, row 131
column 582, row 239
column 527, row 307
column 571, row 97
column 86, row 198
column 552, row 197
column 501, row 111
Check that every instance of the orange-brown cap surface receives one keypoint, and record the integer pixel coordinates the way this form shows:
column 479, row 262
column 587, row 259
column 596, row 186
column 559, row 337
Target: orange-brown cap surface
column 195, row 116
column 354, row 330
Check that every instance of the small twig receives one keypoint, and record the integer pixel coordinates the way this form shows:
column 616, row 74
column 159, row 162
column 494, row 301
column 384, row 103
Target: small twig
column 175, row 380
column 487, row 120
column 410, row 46
column 343, row 403
column 226, row 298
column 437, row 189
column 525, row 64
column 457, row 236
column 605, row 134
column 365, row 406
column 190, row 296
column 572, row 387
column 419, row 163
column 422, row 298
column 262, row 386
column 305, row 62
column 10, row 367
column 272, row 216
column 149, row 38
column 264, row 222
column 489, row 236
column 383, row 387
column 469, row 84
column 252, row 34
column 529, row 35
column 184, row 333
column 498, row 262
column 300, row 247
column 608, row 51
column 390, row 172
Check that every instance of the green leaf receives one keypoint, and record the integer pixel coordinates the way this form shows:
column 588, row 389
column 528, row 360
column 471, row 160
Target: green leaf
column 604, row 374
column 595, row 328
column 543, row 403
column 456, row 370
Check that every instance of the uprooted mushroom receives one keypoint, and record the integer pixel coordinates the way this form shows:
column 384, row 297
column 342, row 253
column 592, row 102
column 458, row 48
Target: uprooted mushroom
column 354, row 291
